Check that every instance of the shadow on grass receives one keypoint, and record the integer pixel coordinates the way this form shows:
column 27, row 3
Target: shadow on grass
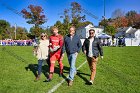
column 81, row 75
column 34, row 69
column 65, row 70
column 45, row 70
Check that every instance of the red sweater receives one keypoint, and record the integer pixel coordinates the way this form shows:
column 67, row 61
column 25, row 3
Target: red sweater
column 57, row 41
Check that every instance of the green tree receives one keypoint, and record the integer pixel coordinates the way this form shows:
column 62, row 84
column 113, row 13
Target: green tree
column 34, row 16
column 131, row 16
column 61, row 28
column 4, row 25
column 72, row 16
column 111, row 30
column 76, row 14
column 21, row 33
column 137, row 22
column 104, row 22
column 35, row 31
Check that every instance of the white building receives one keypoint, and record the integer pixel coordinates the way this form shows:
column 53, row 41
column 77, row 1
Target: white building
column 137, row 33
column 132, row 35
column 128, row 32
column 83, row 32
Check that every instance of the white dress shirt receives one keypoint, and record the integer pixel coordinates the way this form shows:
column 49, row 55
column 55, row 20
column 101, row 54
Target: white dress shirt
column 90, row 54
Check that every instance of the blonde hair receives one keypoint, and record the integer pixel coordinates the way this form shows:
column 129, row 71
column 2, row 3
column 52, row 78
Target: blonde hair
column 54, row 27
column 44, row 34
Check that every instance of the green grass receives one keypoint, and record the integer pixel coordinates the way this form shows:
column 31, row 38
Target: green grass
column 118, row 72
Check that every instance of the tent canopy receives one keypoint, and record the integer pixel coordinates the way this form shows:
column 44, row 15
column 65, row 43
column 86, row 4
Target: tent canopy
column 104, row 36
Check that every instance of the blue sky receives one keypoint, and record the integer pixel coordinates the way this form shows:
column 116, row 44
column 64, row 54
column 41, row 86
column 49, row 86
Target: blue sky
column 52, row 9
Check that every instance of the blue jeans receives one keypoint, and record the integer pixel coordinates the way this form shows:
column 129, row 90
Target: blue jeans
column 40, row 62
column 72, row 60
column 40, row 66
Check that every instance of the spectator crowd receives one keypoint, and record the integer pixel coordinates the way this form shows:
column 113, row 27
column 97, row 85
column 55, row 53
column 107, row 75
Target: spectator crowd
column 10, row 42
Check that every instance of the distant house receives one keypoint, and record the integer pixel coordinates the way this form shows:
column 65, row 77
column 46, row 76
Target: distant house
column 132, row 35
column 121, row 32
column 83, row 32
column 128, row 32
column 137, row 34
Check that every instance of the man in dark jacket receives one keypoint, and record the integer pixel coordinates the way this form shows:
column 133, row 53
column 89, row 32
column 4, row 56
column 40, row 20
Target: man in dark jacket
column 72, row 46
column 92, row 48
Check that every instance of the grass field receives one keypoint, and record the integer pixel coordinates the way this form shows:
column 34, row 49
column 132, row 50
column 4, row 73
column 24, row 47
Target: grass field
column 118, row 72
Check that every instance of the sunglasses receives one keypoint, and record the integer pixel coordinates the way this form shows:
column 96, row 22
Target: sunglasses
column 43, row 36
column 91, row 33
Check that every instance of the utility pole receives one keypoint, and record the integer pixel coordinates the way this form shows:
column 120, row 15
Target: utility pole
column 104, row 18
column 15, row 31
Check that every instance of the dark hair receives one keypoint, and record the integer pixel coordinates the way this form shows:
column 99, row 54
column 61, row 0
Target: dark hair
column 91, row 30
column 72, row 27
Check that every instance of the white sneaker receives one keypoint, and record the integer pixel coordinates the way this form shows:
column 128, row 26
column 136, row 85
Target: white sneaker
column 91, row 82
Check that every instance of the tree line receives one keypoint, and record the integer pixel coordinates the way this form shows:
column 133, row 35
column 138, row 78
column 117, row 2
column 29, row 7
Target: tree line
column 70, row 16
column 121, row 19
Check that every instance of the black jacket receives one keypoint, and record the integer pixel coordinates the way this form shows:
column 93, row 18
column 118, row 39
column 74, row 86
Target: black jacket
column 96, row 47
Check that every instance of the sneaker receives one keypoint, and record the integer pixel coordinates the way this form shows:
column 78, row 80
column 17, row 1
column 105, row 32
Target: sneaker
column 70, row 83
column 90, row 82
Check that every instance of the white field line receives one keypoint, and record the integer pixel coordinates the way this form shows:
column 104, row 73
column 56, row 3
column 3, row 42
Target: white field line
column 62, row 81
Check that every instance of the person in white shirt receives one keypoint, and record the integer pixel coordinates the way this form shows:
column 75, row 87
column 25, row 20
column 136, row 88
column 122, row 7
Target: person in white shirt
column 42, row 52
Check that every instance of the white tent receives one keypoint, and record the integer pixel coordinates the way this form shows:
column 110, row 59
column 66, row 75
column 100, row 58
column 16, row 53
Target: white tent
column 104, row 36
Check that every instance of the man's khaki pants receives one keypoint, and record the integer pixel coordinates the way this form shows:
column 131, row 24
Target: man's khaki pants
column 92, row 61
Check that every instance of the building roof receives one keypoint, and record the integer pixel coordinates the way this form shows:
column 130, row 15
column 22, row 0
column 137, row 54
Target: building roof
column 132, row 30
column 85, row 26
column 129, row 30
column 90, row 26
column 122, row 29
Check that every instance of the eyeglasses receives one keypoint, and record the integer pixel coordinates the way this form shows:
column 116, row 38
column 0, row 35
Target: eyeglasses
column 91, row 33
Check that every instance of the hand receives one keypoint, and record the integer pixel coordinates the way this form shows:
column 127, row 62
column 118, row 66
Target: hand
column 76, row 53
column 35, row 44
column 85, row 52
column 51, row 50
column 56, row 48
column 62, row 56
column 50, row 44
column 102, row 57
